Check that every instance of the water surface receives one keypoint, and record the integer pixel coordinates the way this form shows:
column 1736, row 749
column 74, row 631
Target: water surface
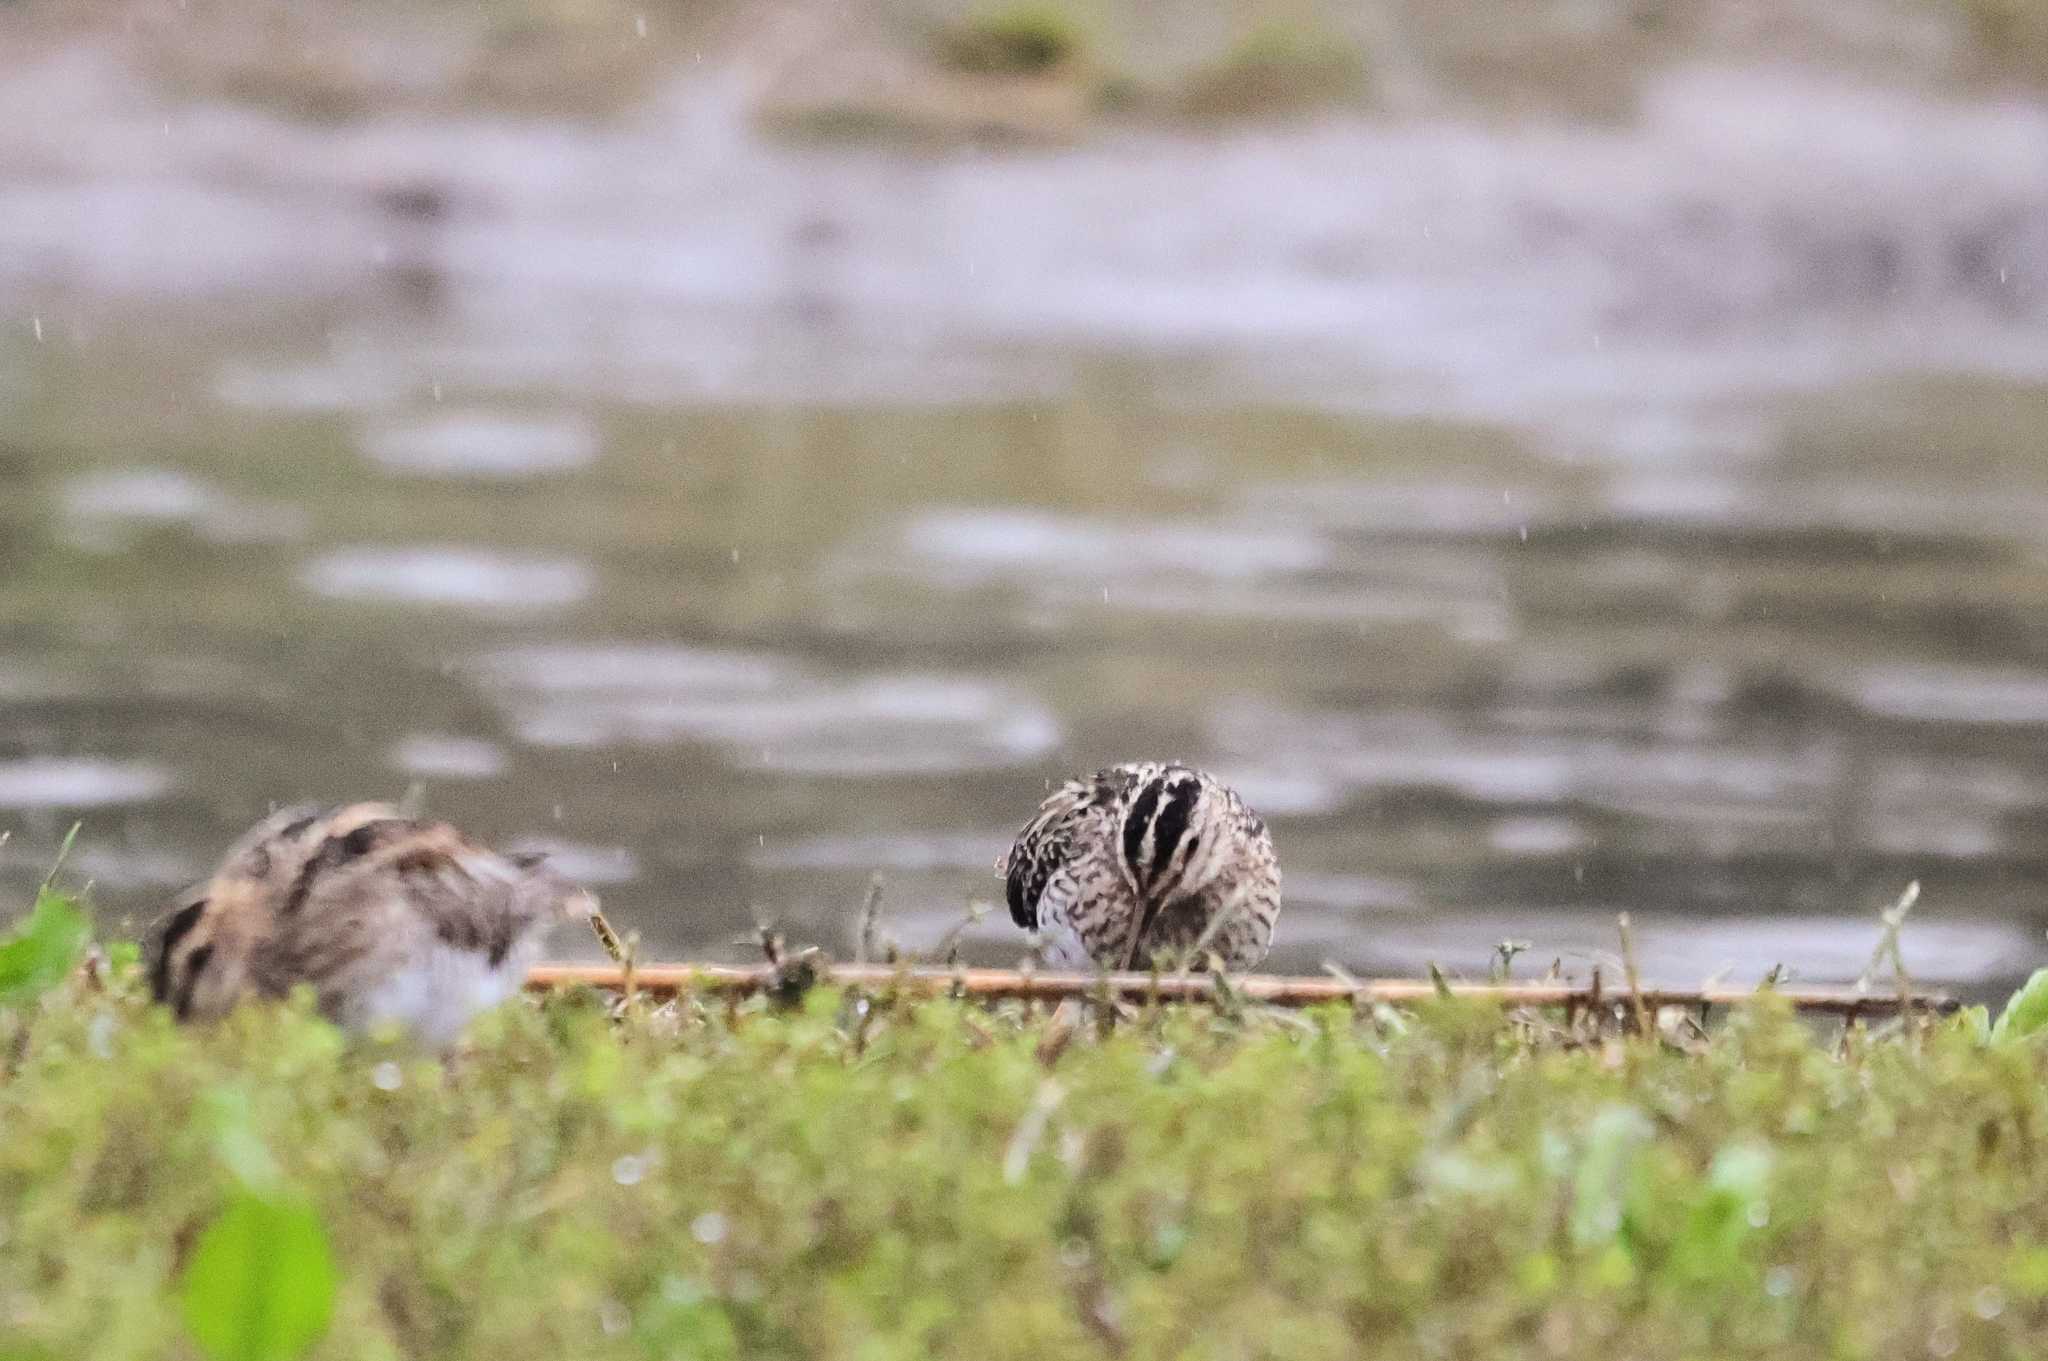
column 729, row 660
column 1536, row 524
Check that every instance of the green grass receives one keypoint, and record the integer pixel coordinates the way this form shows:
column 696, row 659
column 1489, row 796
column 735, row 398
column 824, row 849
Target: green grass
column 1276, row 69
column 862, row 1178
column 1016, row 39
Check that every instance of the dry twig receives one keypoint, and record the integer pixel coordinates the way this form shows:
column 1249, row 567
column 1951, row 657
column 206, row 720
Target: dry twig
column 1263, row 989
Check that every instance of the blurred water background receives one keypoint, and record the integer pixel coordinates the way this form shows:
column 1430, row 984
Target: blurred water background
column 1582, row 462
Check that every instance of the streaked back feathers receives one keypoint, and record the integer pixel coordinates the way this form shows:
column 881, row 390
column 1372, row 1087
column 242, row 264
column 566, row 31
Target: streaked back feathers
column 356, row 902
column 1142, row 860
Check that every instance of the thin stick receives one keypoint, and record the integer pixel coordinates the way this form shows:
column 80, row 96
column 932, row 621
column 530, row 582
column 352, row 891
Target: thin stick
column 1268, row 989
column 1635, row 982
column 870, row 919
column 608, row 938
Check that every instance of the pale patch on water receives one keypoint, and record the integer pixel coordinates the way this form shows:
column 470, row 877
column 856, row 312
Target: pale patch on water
column 80, row 782
column 1953, row 694
column 441, row 756
column 1433, row 509
column 585, row 863
column 476, row 578
column 122, row 867
column 767, row 715
column 106, row 510
column 1414, row 751
column 350, row 379
column 1278, row 792
column 1923, row 830
column 1249, row 570
column 1349, row 892
column 647, row 670
column 1538, row 836
column 1673, row 951
column 1746, row 502
column 905, row 852
column 482, row 445
column 974, row 545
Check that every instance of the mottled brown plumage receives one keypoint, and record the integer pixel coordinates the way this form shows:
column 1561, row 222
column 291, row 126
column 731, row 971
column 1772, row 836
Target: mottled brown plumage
column 1145, row 864
column 386, row 916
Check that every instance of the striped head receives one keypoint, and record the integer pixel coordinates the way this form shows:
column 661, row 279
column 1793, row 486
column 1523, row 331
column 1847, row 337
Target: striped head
column 199, row 952
column 340, row 899
column 1180, row 829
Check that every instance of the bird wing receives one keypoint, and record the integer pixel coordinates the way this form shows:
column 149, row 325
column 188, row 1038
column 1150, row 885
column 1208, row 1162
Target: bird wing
column 1047, row 842
column 379, row 893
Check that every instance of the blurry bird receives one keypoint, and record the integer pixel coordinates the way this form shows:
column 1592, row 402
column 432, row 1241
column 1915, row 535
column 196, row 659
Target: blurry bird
column 1145, row 865
column 386, row 916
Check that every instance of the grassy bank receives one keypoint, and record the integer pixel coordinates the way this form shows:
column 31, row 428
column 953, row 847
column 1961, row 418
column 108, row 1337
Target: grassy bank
column 866, row 1180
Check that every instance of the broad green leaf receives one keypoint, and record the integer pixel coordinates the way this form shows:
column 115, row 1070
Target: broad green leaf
column 260, row 1286
column 44, row 951
column 2025, row 1013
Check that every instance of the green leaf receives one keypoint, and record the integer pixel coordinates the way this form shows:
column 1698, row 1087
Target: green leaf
column 123, row 957
column 2025, row 1013
column 261, row 1283
column 44, row 951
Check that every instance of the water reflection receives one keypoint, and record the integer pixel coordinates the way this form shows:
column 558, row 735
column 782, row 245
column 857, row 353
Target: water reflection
column 482, row 445
column 765, row 715
column 725, row 661
column 57, row 782
column 436, row 575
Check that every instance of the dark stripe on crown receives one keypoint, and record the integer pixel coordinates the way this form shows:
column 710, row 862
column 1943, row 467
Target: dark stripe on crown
column 195, row 965
column 1173, row 823
column 1139, row 818
column 335, row 852
column 176, row 929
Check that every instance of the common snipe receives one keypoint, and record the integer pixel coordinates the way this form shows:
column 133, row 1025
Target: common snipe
column 1145, row 865
column 386, row 916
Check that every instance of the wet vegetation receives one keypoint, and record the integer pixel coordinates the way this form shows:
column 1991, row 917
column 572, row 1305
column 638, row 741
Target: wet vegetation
column 909, row 67
column 860, row 1177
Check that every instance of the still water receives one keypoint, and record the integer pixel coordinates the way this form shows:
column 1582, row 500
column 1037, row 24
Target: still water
column 728, row 659
column 1534, row 524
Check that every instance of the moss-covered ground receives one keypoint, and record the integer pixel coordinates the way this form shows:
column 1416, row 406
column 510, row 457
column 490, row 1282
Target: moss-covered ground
column 864, row 1178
